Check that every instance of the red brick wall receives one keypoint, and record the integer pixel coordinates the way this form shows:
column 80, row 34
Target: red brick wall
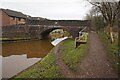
column 12, row 21
column 7, row 20
column 0, row 18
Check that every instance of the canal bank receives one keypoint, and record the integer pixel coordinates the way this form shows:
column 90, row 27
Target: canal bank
column 24, row 53
column 18, row 56
column 48, row 67
column 14, row 40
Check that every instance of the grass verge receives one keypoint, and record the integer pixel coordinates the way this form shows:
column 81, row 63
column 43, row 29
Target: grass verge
column 112, row 49
column 10, row 39
column 46, row 68
column 71, row 55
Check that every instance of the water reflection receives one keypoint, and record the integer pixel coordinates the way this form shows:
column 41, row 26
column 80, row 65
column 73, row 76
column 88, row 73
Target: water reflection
column 37, row 49
column 16, row 63
column 18, row 56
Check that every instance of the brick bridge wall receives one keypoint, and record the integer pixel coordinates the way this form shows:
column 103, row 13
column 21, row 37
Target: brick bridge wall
column 14, row 31
column 59, row 22
column 37, row 29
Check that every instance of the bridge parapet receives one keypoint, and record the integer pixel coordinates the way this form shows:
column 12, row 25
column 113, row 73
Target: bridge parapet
column 44, row 27
column 59, row 22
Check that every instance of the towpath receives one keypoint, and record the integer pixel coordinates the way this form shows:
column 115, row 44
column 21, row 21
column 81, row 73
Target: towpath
column 94, row 65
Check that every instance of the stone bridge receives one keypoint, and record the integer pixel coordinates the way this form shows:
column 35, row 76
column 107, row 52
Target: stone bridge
column 71, row 26
column 41, row 29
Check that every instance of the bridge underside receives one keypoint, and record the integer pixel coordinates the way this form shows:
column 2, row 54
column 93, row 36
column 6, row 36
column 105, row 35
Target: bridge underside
column 72, row 30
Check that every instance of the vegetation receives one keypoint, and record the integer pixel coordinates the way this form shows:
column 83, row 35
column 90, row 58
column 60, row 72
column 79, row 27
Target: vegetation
column 104, row 18
column 109, row 11
column 12, row 39
column 66, row 34
column 97, row 22
column 71, row 55
column 83, row 38
column 112, row 49
column 46, row 68
column 59, row 33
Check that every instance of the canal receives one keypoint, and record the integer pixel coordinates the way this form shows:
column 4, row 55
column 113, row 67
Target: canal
column 16, row 57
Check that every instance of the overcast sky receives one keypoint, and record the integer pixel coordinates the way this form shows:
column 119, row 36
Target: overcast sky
column 51, row 9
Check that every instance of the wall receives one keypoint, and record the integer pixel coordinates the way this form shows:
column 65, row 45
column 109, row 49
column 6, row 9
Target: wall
column 0, row 18
column 21, row 21
column 0, row 23
column 12, row 21
column 14, row 31
column 60, row 22
column 5, row 18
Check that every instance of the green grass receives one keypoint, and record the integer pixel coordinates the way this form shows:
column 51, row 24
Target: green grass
column 43, row 69
column 112, row 49
column 4, row 39
column 67, row 34
column 46, row 68
column 83, row 38
column 71, row 55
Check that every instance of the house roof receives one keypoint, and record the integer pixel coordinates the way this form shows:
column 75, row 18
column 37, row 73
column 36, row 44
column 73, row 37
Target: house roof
column 17, row 14
column 37, row 18
column 14, row 13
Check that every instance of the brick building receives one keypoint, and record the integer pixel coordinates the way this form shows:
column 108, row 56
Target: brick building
column 10, row 17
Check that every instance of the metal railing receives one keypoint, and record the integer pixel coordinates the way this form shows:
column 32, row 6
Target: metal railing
column 77, row 39
column 80, row 33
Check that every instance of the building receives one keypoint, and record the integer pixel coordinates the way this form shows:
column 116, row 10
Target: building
column 37, row 18
column 10, row 17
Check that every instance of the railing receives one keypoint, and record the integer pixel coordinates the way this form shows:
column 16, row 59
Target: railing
column 80, row 33
column 77, row 39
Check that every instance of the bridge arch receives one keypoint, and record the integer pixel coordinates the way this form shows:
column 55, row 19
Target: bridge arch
column 73, row 30
column 44, row 33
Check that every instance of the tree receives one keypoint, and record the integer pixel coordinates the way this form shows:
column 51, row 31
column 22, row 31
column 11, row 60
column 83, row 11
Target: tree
column 97, row 21
column 110, row 12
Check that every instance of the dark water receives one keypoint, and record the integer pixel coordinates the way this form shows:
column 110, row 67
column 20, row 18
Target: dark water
column 18, row 56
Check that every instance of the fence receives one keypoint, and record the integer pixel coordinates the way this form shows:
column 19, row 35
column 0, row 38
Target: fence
column 78, row 39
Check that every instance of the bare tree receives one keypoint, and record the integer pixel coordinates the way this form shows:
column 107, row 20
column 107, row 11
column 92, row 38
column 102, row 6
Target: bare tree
column 97, row 21
column 110, row 12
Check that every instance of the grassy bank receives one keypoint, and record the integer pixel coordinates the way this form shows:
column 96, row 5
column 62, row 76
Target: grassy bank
column 47, row 68
column 71, row 55
column 43, row 69
column 13, row 39
column 112, row 49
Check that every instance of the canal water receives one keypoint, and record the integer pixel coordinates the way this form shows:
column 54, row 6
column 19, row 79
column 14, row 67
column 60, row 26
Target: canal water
column 18, row 56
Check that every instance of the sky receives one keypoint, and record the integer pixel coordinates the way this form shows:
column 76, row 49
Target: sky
column 51, row 9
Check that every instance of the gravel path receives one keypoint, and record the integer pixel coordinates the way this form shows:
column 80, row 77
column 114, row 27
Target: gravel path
column 94, row 65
